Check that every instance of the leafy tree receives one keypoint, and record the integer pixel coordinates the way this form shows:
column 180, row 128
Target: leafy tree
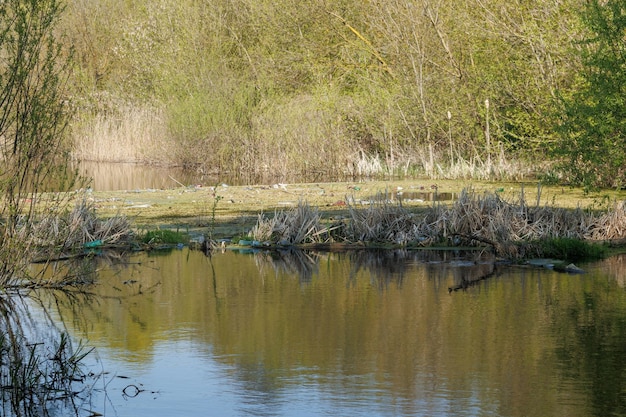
column 593, row 131
column 33, row 117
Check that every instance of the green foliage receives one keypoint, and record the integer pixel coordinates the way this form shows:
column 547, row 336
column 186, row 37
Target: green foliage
column 594, row 128
column 255, row 86
column 164, row 236
column 572, row 250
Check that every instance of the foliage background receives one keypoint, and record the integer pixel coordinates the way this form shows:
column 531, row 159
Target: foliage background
column 294, row 87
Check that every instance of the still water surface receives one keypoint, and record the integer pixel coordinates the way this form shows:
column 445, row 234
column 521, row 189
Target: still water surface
column 352, row 334
column 104, row 176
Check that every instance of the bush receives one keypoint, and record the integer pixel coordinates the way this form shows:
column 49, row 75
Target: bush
column 594, row 129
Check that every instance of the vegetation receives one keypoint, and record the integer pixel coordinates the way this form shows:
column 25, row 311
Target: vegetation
column 41, row 371
column 570, row 249
column 594, row 129
column 36, row 376
column 285, row 88
column 514, row 229
column 164, row 236
column 33, row 116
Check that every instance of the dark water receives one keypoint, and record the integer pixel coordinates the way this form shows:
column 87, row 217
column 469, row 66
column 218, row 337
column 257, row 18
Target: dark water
column 351, row 334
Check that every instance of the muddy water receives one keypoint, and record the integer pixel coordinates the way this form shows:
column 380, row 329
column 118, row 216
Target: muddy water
column 350, row 334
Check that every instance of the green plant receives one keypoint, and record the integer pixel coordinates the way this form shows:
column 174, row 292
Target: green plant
column 572, row 250
column 593, row 133
column 33, row 119
column 164, row 236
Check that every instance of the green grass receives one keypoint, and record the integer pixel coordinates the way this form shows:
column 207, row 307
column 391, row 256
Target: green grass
column 164, row 236
column 572, row 250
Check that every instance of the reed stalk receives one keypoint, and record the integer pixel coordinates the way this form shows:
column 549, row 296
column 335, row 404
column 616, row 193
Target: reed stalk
column 510, row 226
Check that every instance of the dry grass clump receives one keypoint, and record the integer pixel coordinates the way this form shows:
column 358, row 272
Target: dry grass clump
column 79, row 227
column 610, row 225
column 128, row 133
column 381, row 222
column 489, row 219
column 510, row 227
column 507, row 226
column 297, row 226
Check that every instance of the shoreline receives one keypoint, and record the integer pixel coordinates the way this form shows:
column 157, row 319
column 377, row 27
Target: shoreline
column 234, row 210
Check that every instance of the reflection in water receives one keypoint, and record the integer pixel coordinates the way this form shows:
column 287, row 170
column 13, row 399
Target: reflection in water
column 41, row 371
column 354, row 333
column 128, row 176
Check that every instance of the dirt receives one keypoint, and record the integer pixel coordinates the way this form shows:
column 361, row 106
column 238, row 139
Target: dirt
column 233, row 210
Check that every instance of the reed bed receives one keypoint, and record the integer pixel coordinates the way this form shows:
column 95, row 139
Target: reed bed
column 381, row 222
column 80, row 227
column 297, row 226
column 130, row 133
column 512, row 227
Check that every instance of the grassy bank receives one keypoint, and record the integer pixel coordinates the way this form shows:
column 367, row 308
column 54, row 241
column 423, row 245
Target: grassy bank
column 402, row 212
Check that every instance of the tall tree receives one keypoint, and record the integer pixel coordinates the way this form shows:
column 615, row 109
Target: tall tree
column 593, row 131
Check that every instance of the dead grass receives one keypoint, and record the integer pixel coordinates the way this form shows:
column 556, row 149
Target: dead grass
column 299, row 225
column 474, row 219
column 134, row 133
column 80, row 227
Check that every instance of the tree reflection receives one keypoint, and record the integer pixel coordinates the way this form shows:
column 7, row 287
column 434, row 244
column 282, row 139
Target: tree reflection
column 381, row 321
column 291, row 261
column 591, row 329
column 385, row 266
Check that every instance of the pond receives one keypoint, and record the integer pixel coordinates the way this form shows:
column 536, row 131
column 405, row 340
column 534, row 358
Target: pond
column 105, row 176
column 374, row 333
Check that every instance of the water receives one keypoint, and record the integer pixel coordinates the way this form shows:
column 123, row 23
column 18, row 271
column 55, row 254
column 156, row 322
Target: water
column 128, row 176
column 121, row 176
column 351, row 334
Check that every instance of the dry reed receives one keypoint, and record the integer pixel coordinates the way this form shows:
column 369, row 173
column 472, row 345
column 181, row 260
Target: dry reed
column 133, row 133
column 472, row 220
column 297, row 226
column 79, row 227
column 381, row 222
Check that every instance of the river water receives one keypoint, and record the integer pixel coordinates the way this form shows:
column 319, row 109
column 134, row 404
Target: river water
column 245, row 333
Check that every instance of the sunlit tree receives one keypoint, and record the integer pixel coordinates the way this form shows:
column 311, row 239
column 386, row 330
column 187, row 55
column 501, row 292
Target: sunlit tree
column 594, row 126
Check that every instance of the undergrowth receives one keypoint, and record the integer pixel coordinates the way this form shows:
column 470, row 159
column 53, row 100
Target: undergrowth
column 573, row 250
